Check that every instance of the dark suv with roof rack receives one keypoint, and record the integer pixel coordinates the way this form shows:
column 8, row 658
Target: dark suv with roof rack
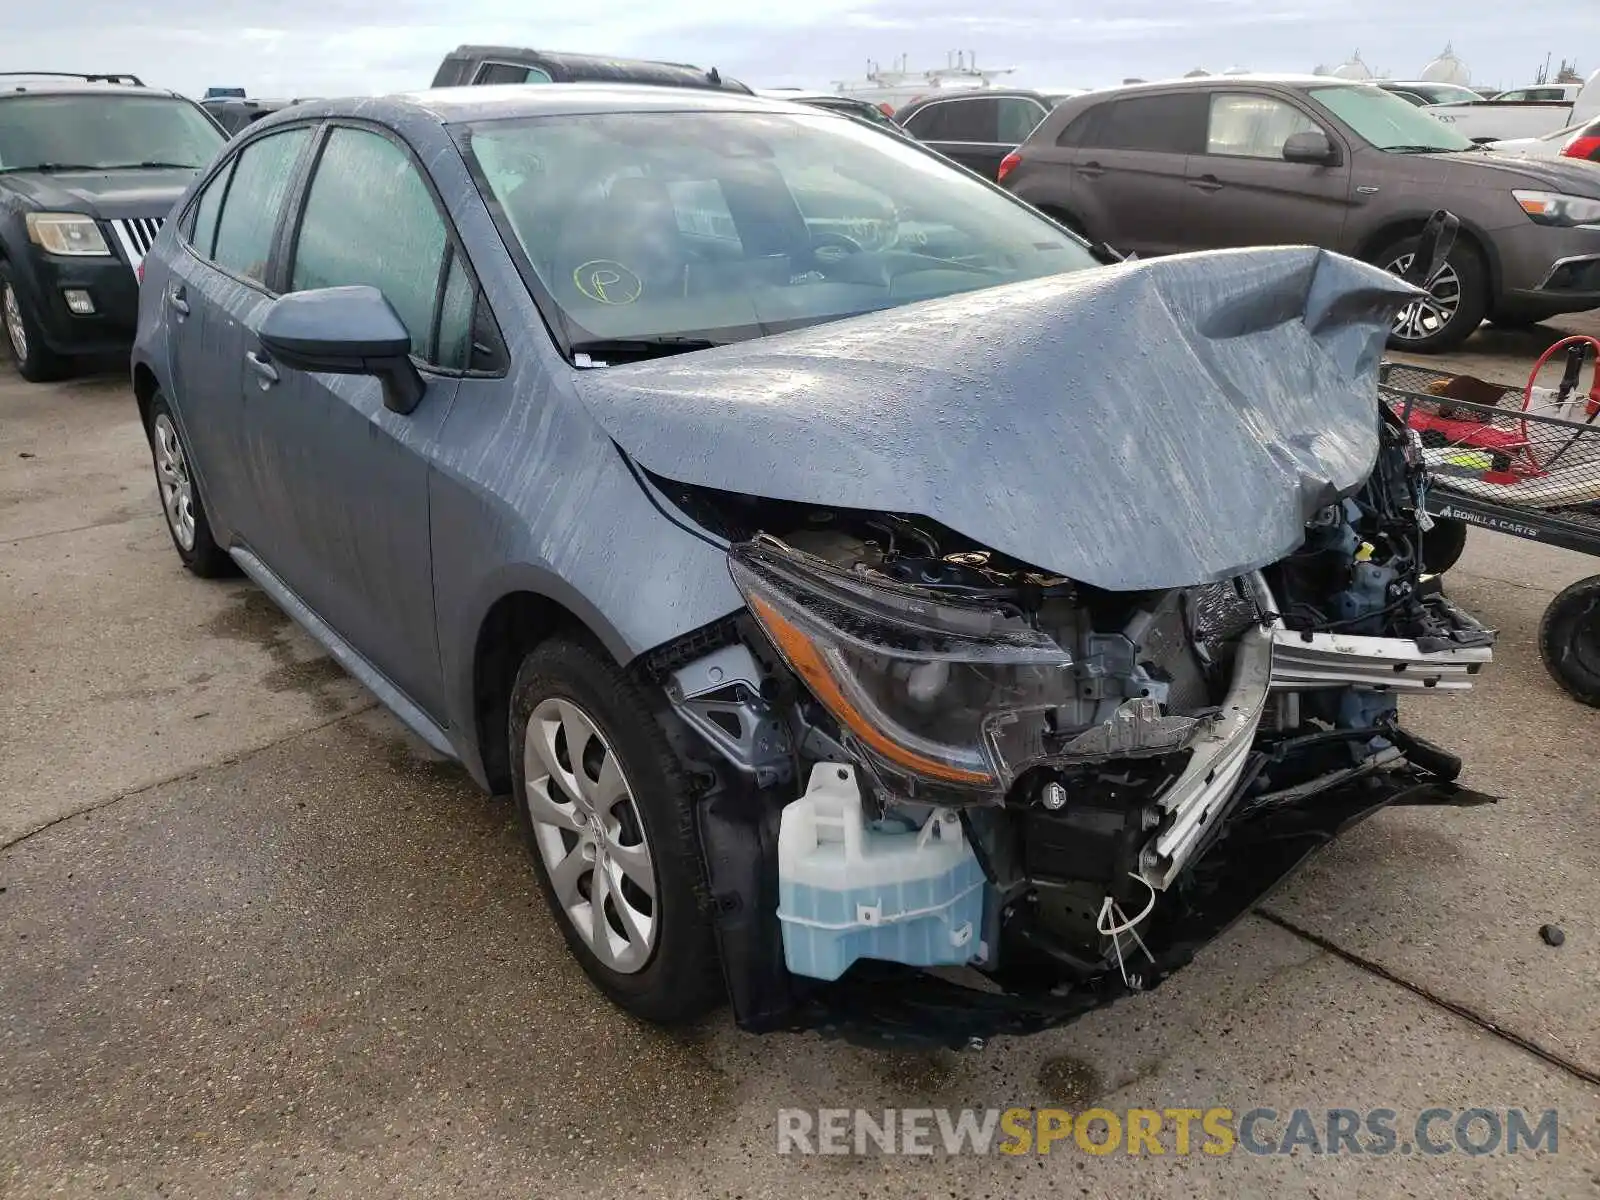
column 469, row 65
column 90, row 165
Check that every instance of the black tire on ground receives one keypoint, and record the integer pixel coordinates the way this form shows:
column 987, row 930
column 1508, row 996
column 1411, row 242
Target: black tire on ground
column 204, row 557
column 36, row 362
column 1467, row 263
column 1442, row 545
column 681, row 978
column 1569, row 640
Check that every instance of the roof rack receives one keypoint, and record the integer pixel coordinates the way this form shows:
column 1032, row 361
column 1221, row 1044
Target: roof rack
column 108, row 77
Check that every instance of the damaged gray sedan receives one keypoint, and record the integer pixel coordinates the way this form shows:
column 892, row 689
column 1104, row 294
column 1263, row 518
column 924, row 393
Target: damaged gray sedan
column 889, row 617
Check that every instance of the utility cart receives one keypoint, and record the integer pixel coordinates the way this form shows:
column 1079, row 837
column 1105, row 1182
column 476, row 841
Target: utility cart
column 1521, row 460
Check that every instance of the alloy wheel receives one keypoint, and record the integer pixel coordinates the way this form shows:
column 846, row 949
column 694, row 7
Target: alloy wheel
column 590, row 838
column 172, row 475
column 16, row 331
column 1428, row 316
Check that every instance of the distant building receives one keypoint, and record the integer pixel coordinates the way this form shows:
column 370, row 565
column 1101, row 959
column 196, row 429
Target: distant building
column 1353, row 69
column 1447, row 68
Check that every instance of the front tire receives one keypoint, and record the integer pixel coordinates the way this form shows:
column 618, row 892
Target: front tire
column 607, row 811
column 1457, row 304
column 1443, row 544
column 180, row 497
column 1569, row 640
column 36, row 362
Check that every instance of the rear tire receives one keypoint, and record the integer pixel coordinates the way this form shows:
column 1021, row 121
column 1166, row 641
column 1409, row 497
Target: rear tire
column 1462, row 281
column 615, row 813
column 36, row 362
column 179, row 492
column 1442, row 545
column 1569, row 640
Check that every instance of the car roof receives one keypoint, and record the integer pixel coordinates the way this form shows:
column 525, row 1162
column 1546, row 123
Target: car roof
column 31, row 85
column 1224, row 81
column 496, row 101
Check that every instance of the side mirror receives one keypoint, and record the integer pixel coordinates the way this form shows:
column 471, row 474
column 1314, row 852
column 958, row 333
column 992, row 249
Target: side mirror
column 1438, row 239
column 345, row 331
column 1309, row 146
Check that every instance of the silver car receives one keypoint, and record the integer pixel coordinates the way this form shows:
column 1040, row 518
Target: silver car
column 850, row 575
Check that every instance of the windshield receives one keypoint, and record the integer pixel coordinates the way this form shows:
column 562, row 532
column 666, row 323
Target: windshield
column 719, row 226
column 1388, row 122
column 93, row 132
column 1444, row 93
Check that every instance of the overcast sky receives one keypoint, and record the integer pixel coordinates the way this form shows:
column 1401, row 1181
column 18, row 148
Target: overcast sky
column 343, row 47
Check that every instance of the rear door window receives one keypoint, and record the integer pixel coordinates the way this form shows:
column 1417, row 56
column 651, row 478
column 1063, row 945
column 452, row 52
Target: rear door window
column 1170, row 123
column 262, row 175
column 966, row 120
column 1253, row 126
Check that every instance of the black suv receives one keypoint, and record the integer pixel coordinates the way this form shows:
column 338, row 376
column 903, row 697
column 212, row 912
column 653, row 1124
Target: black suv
column 468, row 65
column 90, row 165
column 978, row 127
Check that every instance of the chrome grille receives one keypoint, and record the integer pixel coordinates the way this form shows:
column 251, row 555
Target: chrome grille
column 136, row 235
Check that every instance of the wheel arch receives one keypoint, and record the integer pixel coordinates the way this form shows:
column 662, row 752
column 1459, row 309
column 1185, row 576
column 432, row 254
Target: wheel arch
column 521, row 617
column 1410, row 226
column 145, row 387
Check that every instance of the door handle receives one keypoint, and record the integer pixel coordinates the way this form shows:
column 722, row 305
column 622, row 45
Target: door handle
column 175, row 298
column 1092, row 170
column 266, row 372
column 1206, row 183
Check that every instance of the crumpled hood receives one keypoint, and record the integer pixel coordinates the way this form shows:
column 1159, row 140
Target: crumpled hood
column 105, row 194
column 1148, row 425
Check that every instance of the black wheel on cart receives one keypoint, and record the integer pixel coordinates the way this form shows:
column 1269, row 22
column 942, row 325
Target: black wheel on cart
column 1569, row 640
column 1442, row 545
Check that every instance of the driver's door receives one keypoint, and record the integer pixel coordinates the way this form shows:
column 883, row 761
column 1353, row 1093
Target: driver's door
column 350, row 477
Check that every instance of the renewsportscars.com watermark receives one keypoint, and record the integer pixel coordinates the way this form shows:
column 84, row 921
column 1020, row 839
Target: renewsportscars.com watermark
column 1164, row 1131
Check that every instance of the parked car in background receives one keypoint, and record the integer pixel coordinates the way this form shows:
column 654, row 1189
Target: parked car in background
column 1542, row 93
column 1581, row 142
column 778, row 576
column 1421, row 92
column 977, row 128
column 235, row 113
column 1502, row 118
column 472, row 65
column 1250, row 161
column 862, row 110
column 88, row 172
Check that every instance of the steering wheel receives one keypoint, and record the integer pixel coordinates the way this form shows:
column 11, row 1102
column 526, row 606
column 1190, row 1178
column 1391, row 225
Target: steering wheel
column 840, row 244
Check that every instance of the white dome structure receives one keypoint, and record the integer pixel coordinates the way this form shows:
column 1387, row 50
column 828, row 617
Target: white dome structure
column 1237, row 71
column 1447, row 68
column 1353, row 69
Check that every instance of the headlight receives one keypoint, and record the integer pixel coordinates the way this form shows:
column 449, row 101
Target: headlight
column 1553, row 208
column 66, row 233
column 931, row 693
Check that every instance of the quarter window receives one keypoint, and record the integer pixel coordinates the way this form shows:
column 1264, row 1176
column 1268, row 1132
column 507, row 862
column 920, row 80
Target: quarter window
column 1250, row 126
column 261, row 177
column 369, row 219
column 203, row 235
column 510, row 73
column 1018, row 116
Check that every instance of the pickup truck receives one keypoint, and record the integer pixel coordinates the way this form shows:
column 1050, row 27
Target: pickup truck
column 1496, row 120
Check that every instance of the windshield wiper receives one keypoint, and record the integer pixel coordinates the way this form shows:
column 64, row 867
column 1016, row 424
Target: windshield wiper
column 649, row 346
column 48, row 167
column 153, row 164
column 1419, row 150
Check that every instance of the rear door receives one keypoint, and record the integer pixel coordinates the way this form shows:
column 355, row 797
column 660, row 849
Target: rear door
column 215, row 286
column 349, row 501
column 1130, row 159
column 968, row 130
column 1243, row 193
